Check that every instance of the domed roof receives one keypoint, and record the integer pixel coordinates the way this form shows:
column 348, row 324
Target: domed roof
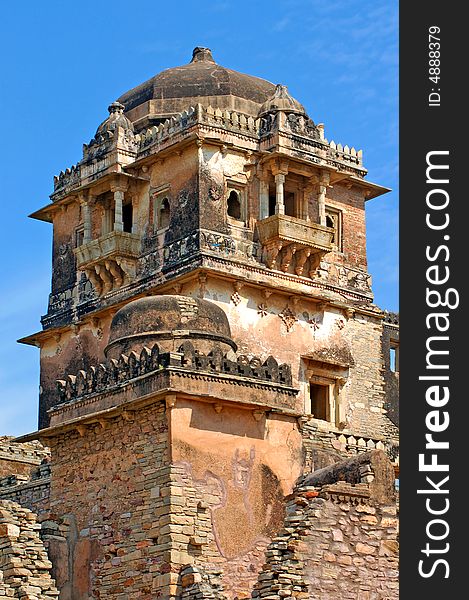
column 116, row 119
column 282, row 100
column 168, row 320
column 202, row 80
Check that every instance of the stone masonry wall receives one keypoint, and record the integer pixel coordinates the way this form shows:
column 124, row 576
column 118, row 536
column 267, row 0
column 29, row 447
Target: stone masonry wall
column 24, row 564
column 391, row 376
column 339, row 541
column 366, row 398
column 322, row 447
column 192, row 524
column 108, row 491
column 230, row 474
column 31, row 491
column 19, row 459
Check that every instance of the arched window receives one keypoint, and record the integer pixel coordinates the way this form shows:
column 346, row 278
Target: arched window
column 164, row 215
column 234, row 205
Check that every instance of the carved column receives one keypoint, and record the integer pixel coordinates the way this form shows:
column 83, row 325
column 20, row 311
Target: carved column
column 302, row 209
column 86, row 208
column 323, row 183
column 263, row 198
column 279, row 194
column 279, row 170
column 310, row 194
column 118, row 202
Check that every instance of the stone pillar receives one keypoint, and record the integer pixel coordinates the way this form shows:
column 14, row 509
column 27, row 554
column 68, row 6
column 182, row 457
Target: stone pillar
column 263, row 198
column 303, row 202
column 279, row 194
column 86, row 208
column 322, row 187
column 320, row 127
column 118, row 201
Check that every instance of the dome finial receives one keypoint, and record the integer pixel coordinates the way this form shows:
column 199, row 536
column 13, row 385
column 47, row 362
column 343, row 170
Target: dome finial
column 201, row 54
column 116, row 107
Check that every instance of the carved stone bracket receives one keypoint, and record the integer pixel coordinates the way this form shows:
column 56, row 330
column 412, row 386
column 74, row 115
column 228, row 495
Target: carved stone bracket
column 287, row 256
column 271, row 251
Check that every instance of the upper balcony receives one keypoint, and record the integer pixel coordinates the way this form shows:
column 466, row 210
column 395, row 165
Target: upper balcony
column 288, row 239
column 109, row 261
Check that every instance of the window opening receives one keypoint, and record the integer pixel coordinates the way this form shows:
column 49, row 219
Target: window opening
column 127, row 214
column 234, row 205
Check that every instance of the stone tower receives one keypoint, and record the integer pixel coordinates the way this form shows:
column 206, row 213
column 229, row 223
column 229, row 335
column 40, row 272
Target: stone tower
column 210, row 338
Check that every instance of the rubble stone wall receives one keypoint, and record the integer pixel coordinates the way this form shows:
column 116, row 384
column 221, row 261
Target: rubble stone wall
column 19, row 459
column 31, row 493
column 339, row 540
column 24, row 564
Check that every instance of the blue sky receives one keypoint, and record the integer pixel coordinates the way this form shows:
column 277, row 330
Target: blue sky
column 64, row 62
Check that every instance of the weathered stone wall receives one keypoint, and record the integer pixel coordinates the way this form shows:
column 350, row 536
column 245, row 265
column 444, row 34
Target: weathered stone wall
column 391, row 377
column 64, row 272
column 24, row 564
column 69, row 352
column 19, row 459
column 108, row 491
column 352, row 204
column 323, row 446
column 30, row 491
column 295, row 332
column 366, row 396
column 339, row 540
column 230, row 475
column 176, row 177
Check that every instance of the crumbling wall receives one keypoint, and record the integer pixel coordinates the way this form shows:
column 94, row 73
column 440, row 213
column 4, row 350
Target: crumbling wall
column 19, row 459
column 339, row 539
column 31, row 491
column 24, row 564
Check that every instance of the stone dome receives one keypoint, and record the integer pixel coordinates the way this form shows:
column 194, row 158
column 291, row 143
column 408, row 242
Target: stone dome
column 201, row 81
column 168, row 321
column 116, row 119
column 282, row 100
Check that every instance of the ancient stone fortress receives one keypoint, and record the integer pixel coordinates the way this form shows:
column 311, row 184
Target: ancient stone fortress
column 218, row 390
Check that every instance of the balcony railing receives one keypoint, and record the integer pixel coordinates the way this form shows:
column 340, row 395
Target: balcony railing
column 291, row 241
column 109, row 261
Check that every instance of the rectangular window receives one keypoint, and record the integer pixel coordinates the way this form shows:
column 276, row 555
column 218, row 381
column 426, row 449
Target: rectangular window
column 394, row 358
column 127, row 217
column 79, row 236
column 272, row 201
column 334, row 220
column 290, row 206
column 320, row 401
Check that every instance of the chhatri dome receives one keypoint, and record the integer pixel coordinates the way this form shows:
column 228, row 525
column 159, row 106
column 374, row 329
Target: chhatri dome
column 200, row 81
